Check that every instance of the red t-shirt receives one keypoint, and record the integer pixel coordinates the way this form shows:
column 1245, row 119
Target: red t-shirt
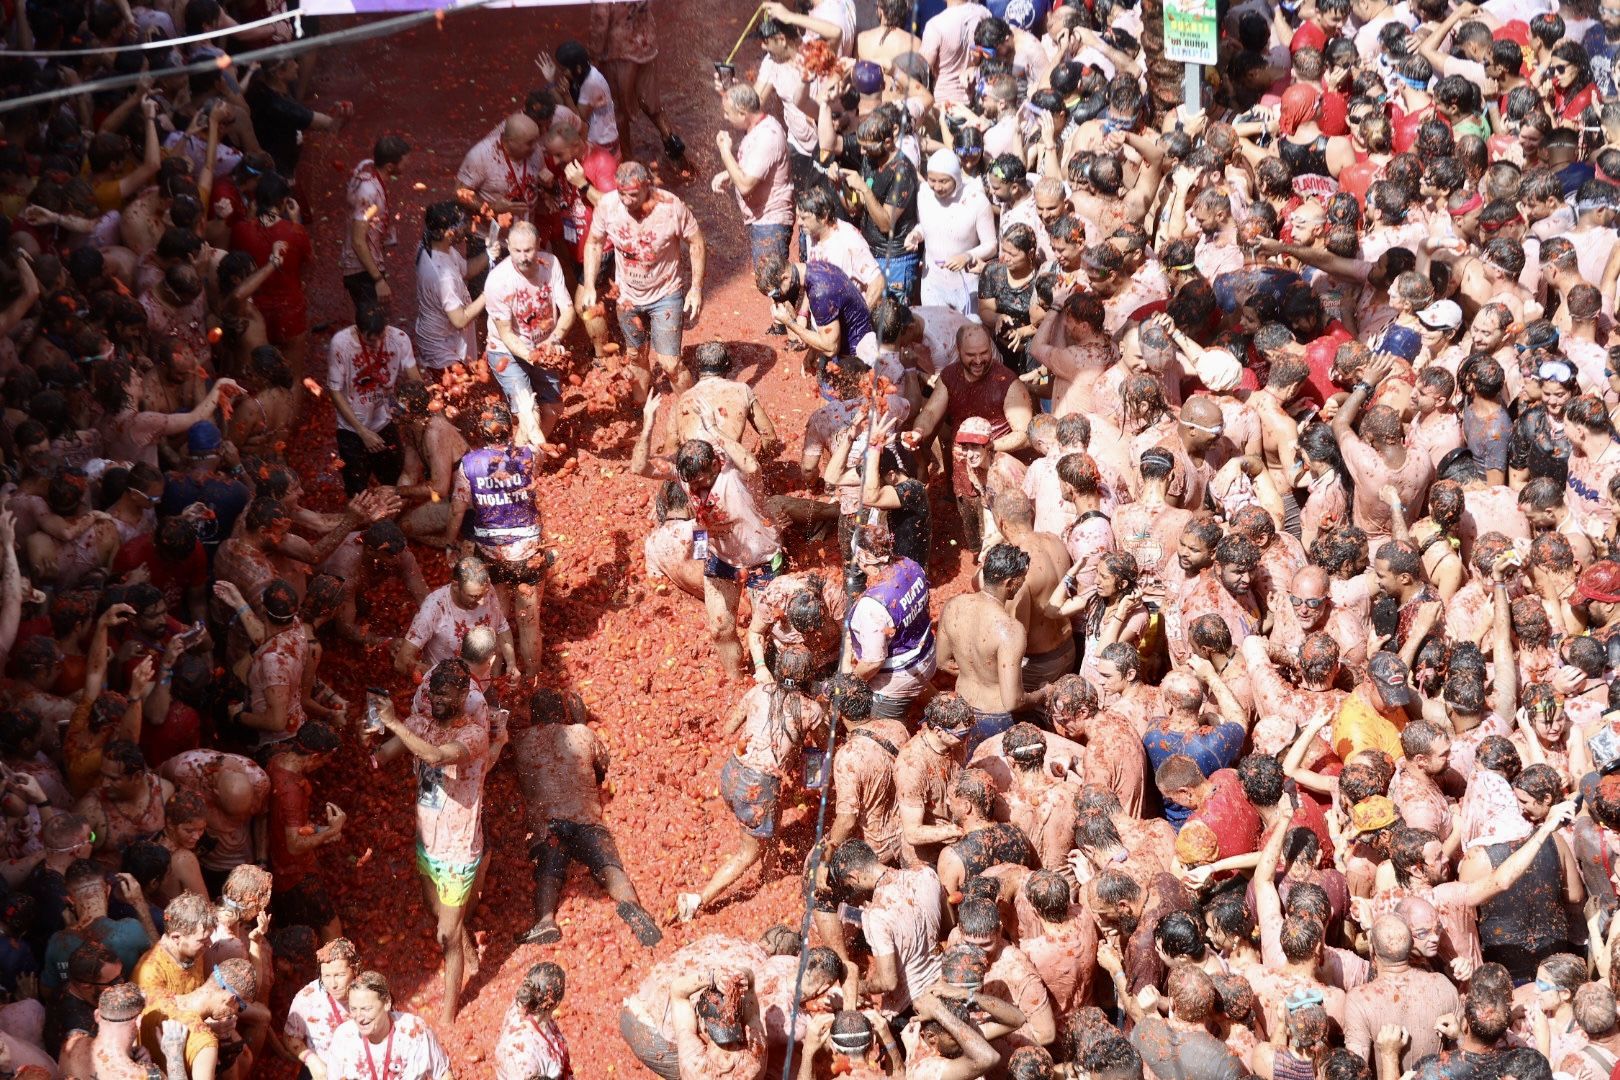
column 572, row 222
column 1357, row 178
column 1230, row 816
column 173, row 578
column 180, row 731
column 281, row 298
column 1319, row 356
column 289, row 809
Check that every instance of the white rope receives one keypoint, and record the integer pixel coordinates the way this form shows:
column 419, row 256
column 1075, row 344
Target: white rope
column 168, row 43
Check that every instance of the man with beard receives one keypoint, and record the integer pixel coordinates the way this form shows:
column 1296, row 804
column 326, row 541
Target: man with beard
column 647, row 228
column 527, row 304
column 561, row 765
column 1133, row 910
column 175, row 965
column 1308, row 608
column 979, row 385
column 448, row 735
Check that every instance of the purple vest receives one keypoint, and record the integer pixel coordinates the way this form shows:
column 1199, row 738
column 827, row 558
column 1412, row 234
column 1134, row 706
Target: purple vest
column 904, row 595
column 503, row 504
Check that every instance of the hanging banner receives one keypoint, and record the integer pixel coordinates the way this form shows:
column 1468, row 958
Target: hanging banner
column 395, row 7
column 1189, row 31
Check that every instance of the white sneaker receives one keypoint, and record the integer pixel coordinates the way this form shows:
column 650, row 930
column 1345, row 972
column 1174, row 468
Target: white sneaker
column 686, row 906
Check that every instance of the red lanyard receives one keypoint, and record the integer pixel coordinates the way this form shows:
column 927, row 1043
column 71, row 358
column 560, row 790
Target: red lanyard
column 368, row 169
column 337, row 1017
column 388, row 1054
column 372, row 368
column 517, row 186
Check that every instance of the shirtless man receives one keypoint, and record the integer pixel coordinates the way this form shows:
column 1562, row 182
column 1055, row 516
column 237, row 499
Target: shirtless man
column 1050, row 646
column 924, row 771
column 561, row 765
column 982, row 644
column 432, row 447
column 733, row 402
column 1279, row 432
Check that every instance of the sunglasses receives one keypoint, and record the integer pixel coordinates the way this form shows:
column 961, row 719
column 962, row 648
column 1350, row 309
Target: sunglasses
column 1309, row 602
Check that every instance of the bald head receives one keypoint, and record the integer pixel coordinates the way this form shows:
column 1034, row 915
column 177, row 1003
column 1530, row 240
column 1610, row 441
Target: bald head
column 235, row 793
column 1202, row 412
column 1311, row 583
column 520, row 134
column 1391, row 940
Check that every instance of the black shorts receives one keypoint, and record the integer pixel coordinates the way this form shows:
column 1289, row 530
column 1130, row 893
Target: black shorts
column 591, row 845
column 305, row 904
column 515, row 572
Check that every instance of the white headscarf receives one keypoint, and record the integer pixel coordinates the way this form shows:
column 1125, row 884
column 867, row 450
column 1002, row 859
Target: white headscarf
column 944, row 163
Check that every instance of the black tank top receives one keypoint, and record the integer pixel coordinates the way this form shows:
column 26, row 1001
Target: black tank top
column 983, row 848
column 1305, row 159
column 1525, row 924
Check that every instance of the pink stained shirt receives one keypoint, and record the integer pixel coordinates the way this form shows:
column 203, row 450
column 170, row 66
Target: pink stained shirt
column 763, row 154
column 647, row 250
column 529, row 305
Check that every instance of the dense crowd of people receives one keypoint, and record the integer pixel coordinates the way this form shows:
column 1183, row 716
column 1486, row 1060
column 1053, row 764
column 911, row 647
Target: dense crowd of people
column 1276, row 730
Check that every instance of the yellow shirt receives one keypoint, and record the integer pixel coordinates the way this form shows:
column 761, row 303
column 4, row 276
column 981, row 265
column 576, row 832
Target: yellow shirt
column 1359, row 726
column 162, row 979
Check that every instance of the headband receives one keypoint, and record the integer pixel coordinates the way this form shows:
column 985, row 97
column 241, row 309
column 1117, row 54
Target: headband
column 228, row 988
column 1473, row 203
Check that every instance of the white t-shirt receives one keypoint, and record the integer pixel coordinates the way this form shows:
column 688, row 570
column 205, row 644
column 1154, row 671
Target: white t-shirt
column 367, row 377
column 791, row 86
column 492, row 175
column 441, row 287
column 947, row 42
column 841, row 13
column 440, row 624
column 763, row 154
column 595, row 93
column 414, row 1053
column 845, row 247
column 314, row 1017
column 528, row 306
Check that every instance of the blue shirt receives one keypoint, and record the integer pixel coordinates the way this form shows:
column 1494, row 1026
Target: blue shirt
column 125, row 938
column 1213, row 748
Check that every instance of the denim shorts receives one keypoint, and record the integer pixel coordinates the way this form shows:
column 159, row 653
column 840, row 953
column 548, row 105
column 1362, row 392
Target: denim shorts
column 523, row 383
column 754, row 577
column 664, row 317
column 900, row 273
column 752, row 797
column 769, row 239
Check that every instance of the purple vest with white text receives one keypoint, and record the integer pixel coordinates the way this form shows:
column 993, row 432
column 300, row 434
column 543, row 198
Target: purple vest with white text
column 503, row 501
column 903, row 592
